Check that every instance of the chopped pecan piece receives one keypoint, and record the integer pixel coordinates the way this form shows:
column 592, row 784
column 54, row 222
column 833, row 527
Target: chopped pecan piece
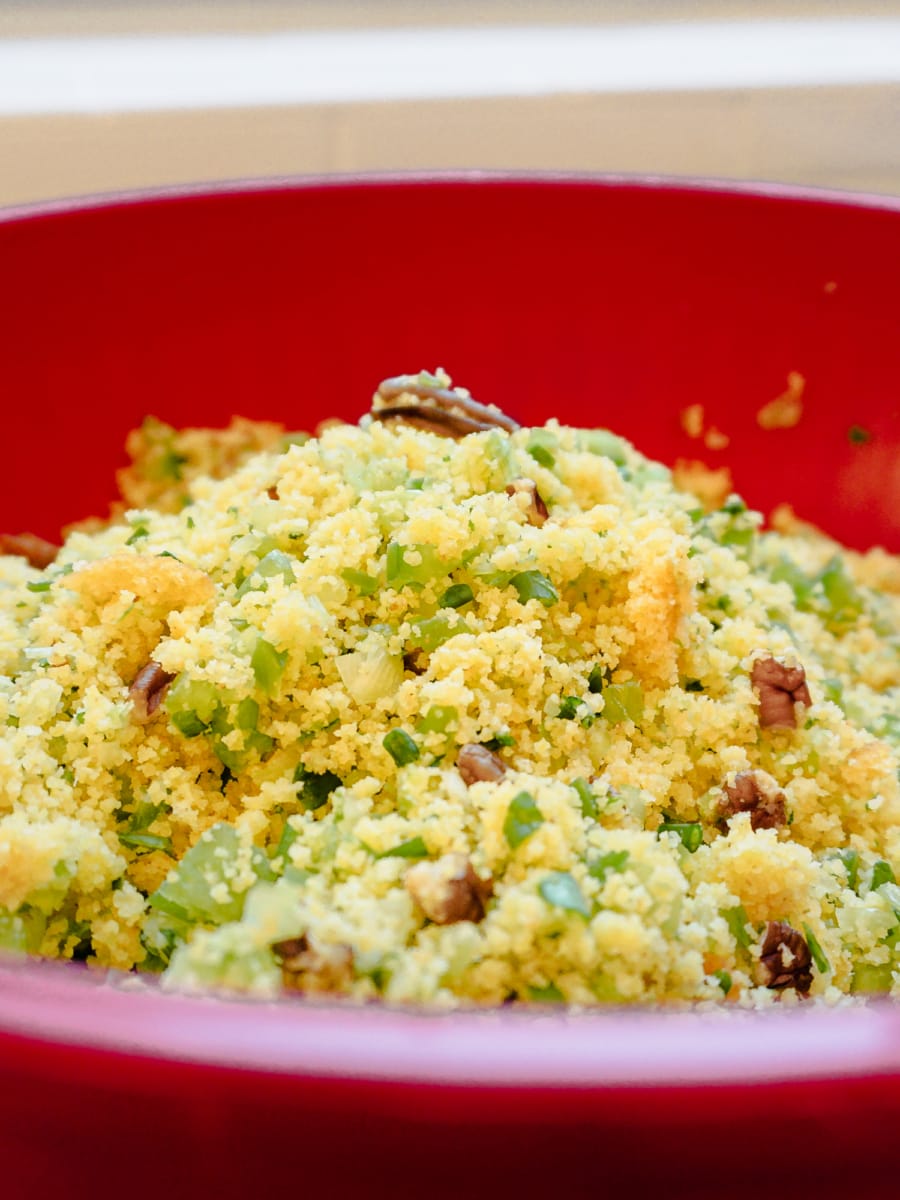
column 39, row 552
column 444, row 411
column 272, row 492
column 780, row 687
column 448, row 890
column 413, row 661
column 311, row 966
column 478, row 764
column 784, row 959
column 147, row 691
column 537, row 509
column 757, row 793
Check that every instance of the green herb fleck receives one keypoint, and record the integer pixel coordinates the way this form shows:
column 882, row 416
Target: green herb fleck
column 585, row 794
column 414, row 848
column 815, row 949
column 562, row 891
column 532, row 585
column 401, row 747
column 456, row 596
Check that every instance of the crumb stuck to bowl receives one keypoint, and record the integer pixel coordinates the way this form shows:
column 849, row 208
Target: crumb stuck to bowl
column 441, row 710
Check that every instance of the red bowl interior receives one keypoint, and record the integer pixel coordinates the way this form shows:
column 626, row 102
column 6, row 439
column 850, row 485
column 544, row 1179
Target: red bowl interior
column 613, row 303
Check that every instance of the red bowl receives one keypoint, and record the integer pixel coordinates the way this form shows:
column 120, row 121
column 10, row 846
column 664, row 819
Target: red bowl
column 601, row 301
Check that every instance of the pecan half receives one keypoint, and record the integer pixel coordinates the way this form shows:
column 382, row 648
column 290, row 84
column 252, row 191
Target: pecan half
column 39, row 552
column 757, row 793
column 147, row 691
column 537, row 510
column 447, row 412
column 785, row 960
column 477, row 764
column 448, row 890
column 780, row 687
column 311, row 966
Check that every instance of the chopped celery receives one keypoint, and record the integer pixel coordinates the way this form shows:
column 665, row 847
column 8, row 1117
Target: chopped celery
column 546, row 995
column 438, row 719
column 147, row 841
column 787, row 571
column 815, row 949
column 414, row 565
column 199, row 889
column 561, row 890
column 316, row 787
column 191, row 704
column 430, row 632
column 602, row 443
column 844, row 601
column 542, row 456
column 868, row 978
column 268, row 664
column 366, row 585
column 532, row 585
column 833, row 690
column 400, row 746
column 881, row 873
column 413, row 848
column 13, row 936
column 690, row 832
column 456, row 596
column 623, row 702
column 724, row 981
column 371, row 673
column 276, row 562
column 612, row 860
column 588, row 800
column 523, row 818
column 247, row 715
column 736, row 919
column 542, row 445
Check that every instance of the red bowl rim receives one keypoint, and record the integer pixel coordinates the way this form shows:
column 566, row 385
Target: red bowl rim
column 56, row 1005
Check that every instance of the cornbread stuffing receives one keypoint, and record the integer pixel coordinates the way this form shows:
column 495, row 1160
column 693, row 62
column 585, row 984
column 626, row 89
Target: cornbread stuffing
column 438, row 709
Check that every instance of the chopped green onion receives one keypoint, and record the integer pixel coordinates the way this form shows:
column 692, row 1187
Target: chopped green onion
column 523, row 818
column 562, row 891
column 42, row 585
column 316, row 787
column 147, row 841
column 401, row 747
column 267, row 663
column 192, row 704
column 881, row 873
column 416, row 484
column 588, row 800
column 499, row 740
column 623, row 702
column 736, row 919
column 456, row 596
column 366, row 585
column 532, row 585
column 815, row 949
column 850, row 859
column 542, row 455
column 602, row 443
column 598, row 678
column 141, row 531
column 414, row 848
column 787, row 571
column 690, row 832
column 613, row 860
column 724, row 981
column 438, row 719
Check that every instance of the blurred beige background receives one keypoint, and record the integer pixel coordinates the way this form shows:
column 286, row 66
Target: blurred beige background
column 98, row 96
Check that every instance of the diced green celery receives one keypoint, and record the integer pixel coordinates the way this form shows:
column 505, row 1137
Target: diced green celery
column 532, row 585
column 602, row 443
column 147, row 841
column 818, row 954
column 414, row 848
column 366, row 585
column 199, row 889
column 542, row 445
column 268, row 664
column 438, row 719
column 430, row 632
column 724, row 981
column 561, row 890
column 370, row 673
column 13, row 936
column 612, row 860
column 191, row 704
column 787, row 571
column 881, row 873
column 542, row 455
column 585, row 794
column 40, row 585
column 247, row 716
column 276, row 562
column 736, row 919
column 456, row 596
column 844, row 600
column 401, row 747
column 690, row 832
column 523, row 818
column 416, row 565
column 546, row 995
column 890, row 892
column 316, row 787
column 868, row 978
column 623, row 702
column 833, row 690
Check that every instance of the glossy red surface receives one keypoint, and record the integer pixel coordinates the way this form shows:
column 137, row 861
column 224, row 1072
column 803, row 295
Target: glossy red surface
column 605, row 303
